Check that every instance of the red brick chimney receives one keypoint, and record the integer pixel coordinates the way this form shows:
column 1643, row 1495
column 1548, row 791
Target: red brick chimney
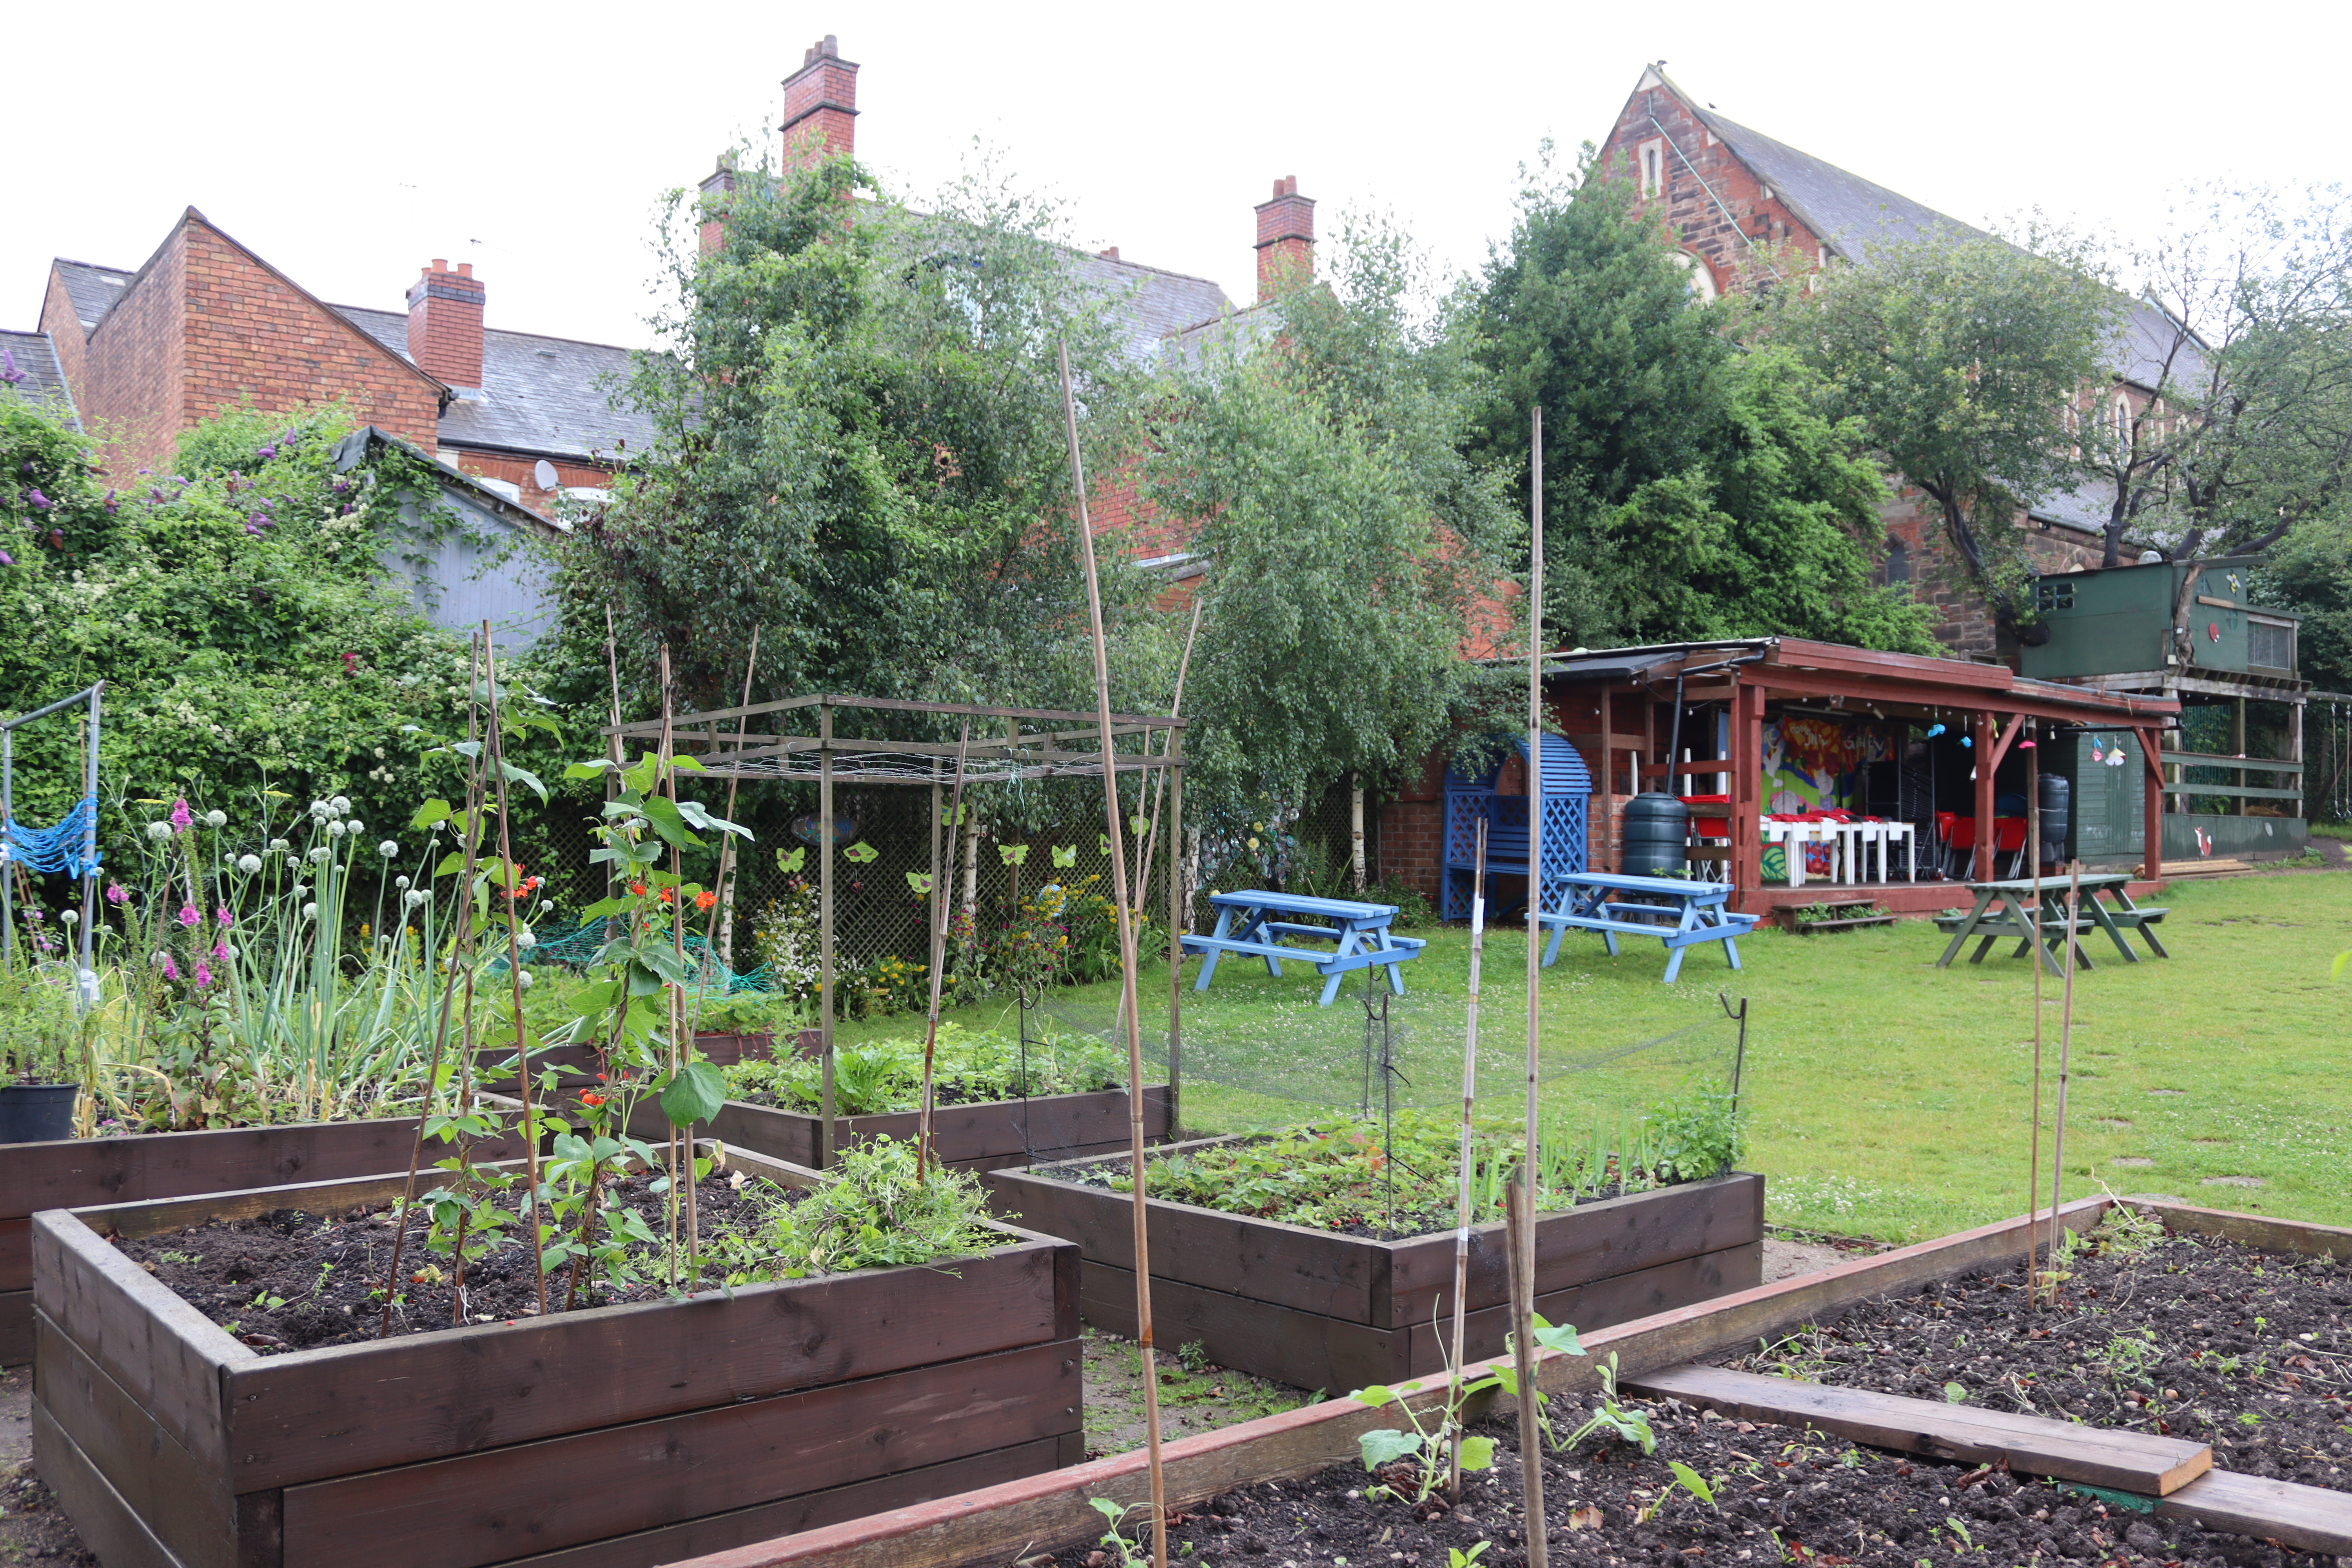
column 820, row 106
column 721, row 181
column 445, row 323
column 1286, row 239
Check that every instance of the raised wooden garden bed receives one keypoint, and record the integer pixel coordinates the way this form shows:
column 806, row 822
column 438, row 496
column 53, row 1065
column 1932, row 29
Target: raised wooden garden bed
column 609, row 1438
column 74, row 1173
column 1320, row 1309
column 1845, row 914
column 987, row 1136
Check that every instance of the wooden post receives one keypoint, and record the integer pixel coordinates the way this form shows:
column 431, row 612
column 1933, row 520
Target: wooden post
column 1982, row 862
column 2151, row 802
column 1125, row 912
column 1748, row 793
column 2238, row 748
column 1535, row 815
column 2033, row 1149
column 824, row 924
column 538, row 1240
column 2065, row 1050
column 1469, row 1104
column 938, row 951
column 1356, row 828
column 1606, row 860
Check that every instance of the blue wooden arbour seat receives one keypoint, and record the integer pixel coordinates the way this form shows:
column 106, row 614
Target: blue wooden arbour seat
column 1567, row 790
column 1251, row 924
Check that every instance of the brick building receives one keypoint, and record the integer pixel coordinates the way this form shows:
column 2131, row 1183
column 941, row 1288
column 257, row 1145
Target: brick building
column 1752, row 212
column 207, row 323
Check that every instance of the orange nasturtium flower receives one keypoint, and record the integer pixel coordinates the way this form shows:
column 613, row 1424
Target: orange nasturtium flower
column 639, row 889
column 592, row 1099
column 670, row 895
column 705, row 899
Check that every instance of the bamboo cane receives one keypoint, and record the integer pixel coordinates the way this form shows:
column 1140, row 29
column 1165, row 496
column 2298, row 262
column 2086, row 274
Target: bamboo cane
column 1126, row 976
column 679, row 1047
column 1535, row 805
column 1521, row 1197
column 939, row 956
column 441, row 1029
column 727, row 840
column 1469, row 1098
column 514, row 969
column 2065, row 1052
column 2034, row 1151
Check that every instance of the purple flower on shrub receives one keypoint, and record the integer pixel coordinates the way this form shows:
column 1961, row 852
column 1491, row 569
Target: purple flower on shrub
column 348, row 509
column 6, row 559
column 171, row 970
column 146, row 470
column 267, row 452
column 8, row 371
column 340, row 486
column 180, row 819
column 34, row 915
column 109, row 501
column 188, row 915
column 155, row 495
column 251, row 532
column 39, row 502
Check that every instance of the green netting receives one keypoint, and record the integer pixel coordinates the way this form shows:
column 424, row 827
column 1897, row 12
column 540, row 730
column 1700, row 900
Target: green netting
column 575, row 942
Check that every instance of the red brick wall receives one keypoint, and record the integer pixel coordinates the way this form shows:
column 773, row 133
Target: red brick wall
column 1412, row 830
column 1733, row 247
column 250, row 333
column 820, row 106
column 64, row 327
column 521, row 471
column 445, row 323
column 134, row 363
column 1286, row 239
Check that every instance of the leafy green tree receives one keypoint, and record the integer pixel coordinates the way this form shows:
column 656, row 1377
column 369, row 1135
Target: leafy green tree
column 1960, row 356
column 237, row 609
column 1691, row 488
column 1315, row 446
column 859, row 452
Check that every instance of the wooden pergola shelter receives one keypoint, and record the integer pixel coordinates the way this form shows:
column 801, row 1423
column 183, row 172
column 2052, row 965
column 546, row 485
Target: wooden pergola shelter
column 1027, row 744
column 1618, row 705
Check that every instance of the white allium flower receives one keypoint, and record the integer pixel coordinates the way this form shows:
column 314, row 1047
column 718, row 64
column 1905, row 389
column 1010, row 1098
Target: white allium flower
column 249, row 864
column 387, row 849
column 526, row 979
column 400, row 881
column 311, row 911
column 416, row 897
column 342, row 804
column 525, row 940
column 321, row 855
column 336, row 830
column 73, row 917
column 216, row 819
column 159, row 831
column 279, row 847
column 322, row 810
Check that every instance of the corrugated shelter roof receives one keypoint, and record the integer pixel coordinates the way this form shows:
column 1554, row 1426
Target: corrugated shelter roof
column 93, row 290
column 539, row 394
column 36, row 359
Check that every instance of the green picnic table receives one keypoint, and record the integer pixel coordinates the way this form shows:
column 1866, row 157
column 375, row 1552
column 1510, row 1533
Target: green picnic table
column 2034, row 911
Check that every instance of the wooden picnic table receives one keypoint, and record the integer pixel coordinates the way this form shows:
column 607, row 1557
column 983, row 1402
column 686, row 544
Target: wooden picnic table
column 2034, row 911
column 1680, row 914
column 1256, row 921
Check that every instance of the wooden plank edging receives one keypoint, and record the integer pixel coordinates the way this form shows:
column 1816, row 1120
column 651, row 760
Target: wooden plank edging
column 1052, row 1509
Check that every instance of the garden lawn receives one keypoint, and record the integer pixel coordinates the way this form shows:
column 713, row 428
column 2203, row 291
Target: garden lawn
column 1892, row 1099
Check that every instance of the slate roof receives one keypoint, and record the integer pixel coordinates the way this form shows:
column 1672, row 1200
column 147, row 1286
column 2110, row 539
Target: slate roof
column 93, row 290
column 36, row 358
column 1852, row 214
column 1156, row 304
column 1248, row 327
column 539, row 394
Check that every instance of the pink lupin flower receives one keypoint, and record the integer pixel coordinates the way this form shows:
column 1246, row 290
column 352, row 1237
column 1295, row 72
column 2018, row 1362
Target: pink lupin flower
column 182, row 817
column 171, row 970
column 188, row 915
column 203, row 976
column 116, row 893
column 220, row 951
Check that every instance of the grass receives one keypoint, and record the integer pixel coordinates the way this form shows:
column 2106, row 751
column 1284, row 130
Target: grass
column 1891, row 1098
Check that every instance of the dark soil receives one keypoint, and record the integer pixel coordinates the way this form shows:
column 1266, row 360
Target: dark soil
column 2249, row 1352
column 2188, row 1336
column 325, row 1274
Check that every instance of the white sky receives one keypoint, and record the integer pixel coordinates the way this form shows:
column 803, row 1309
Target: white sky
column 349, row 144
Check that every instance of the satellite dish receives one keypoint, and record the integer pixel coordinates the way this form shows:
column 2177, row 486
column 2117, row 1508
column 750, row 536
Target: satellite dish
column 544, row 474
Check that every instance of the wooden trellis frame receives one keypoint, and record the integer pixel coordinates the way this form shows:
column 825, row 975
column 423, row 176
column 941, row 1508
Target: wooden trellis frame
column 1038, row 744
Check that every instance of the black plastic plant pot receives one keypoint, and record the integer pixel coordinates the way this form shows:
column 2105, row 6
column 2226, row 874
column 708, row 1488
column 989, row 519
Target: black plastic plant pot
column 36, row 1113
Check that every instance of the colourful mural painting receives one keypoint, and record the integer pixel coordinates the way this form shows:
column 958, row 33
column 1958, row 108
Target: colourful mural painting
column 1816, row 764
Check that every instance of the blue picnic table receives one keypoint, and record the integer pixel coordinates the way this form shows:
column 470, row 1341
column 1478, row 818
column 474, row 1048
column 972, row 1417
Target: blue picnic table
column 1680, row 914
column 1256, row 921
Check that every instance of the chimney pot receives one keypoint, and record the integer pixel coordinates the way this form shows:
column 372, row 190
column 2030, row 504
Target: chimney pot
column 445, row 323
column 820, row 106
column 1108, row 253
column 1286, row 239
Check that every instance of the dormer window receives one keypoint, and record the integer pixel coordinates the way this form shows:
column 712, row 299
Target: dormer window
column 1652, row 157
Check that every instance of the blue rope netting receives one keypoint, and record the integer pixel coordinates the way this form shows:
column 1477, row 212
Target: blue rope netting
column 58, row 849
column 572, row 943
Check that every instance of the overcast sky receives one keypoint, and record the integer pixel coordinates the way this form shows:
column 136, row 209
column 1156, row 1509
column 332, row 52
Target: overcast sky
column 349, row 144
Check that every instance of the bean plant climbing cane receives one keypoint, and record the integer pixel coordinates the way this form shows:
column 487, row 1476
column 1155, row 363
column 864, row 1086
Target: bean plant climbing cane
column 1469, row 1102
column 1125, row 913
column 939, row 956
column 1523, row 1224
